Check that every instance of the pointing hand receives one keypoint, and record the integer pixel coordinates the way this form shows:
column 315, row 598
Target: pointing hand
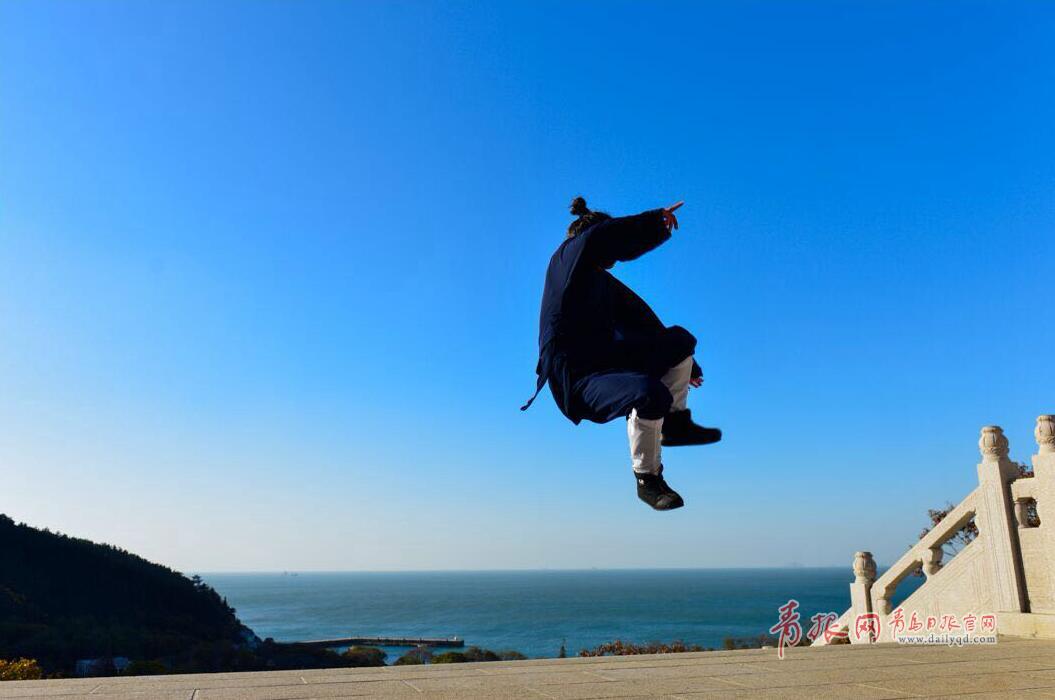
column 669, row 220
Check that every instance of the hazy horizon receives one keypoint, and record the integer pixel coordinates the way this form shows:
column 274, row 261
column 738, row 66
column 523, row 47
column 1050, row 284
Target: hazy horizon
column 549, row 568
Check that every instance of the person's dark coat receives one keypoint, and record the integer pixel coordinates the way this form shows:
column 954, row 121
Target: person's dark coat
column 601, row 348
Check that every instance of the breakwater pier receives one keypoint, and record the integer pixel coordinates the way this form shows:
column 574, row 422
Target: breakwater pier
column 382, row 642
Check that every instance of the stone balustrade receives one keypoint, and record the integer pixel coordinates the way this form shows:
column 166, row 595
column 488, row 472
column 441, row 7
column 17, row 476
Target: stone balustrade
column 1008, row 569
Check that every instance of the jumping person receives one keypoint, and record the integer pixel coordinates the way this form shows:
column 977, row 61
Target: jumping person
column 606, row 354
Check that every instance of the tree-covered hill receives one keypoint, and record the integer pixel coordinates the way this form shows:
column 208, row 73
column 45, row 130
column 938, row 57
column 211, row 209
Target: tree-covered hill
column 63, row 599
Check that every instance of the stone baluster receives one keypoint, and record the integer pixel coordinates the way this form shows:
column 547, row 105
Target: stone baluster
column 996, row 522
column 1044, row 489
column 932, row 560
column 861, row 590
column 1022, row 512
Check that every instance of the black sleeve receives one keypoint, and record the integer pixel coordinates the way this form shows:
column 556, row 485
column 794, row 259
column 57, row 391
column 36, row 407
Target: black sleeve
column 625, row 238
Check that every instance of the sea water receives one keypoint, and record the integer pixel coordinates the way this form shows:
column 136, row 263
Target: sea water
column 534, row 612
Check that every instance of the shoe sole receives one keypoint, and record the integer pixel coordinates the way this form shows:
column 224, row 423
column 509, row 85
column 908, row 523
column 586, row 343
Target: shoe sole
column 679, row 443
column 677, row 504
column 673, row 507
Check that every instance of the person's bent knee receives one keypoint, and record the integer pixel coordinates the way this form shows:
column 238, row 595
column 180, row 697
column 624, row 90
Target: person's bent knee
column 655, row 403
column 682, row 343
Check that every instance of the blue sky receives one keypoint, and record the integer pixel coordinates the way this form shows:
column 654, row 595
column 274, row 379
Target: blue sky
column 270, row 272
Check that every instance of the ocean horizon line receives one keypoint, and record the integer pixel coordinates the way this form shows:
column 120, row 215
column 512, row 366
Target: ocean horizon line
column 786, row 567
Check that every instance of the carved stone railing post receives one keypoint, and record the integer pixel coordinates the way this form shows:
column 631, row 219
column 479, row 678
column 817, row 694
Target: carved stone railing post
column 1022, row 512
column 1044, row 476
column 861, row 591
column 1044, row 467
column 932, row 560
column 996, row 521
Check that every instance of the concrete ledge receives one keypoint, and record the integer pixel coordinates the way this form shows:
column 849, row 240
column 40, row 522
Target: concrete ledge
column 1011, row 668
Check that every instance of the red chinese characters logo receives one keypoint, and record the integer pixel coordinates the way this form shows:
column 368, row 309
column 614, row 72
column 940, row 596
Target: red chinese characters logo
column 897, row 621
column 787, row 629
column 824, row 625
column 867, row 626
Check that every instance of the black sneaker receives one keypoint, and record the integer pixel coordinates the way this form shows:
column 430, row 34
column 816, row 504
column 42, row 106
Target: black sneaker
column 654, row 490
column 678, row 430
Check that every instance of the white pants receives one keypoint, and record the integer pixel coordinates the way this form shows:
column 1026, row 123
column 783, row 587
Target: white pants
column 644, row 434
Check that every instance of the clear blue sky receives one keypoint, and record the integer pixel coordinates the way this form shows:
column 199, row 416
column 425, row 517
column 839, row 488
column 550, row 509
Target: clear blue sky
column 270, row 272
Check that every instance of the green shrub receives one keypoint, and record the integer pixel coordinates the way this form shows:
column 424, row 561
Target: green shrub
column 365, row 656
column 449, row 657
column 414, row 657
column 20, row 670
column 421, row 655
column 621, row 648
column 478, row 654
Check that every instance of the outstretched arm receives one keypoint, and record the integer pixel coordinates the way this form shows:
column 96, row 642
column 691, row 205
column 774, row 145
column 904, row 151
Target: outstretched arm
column 629, row 237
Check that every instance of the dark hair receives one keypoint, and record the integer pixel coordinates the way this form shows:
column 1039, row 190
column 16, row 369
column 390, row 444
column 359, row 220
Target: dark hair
column 586, row 218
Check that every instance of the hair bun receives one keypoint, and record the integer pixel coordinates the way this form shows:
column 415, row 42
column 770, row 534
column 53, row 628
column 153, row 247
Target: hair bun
column 578, row 207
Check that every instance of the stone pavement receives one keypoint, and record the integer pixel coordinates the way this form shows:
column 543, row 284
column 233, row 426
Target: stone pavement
column 1017, row 668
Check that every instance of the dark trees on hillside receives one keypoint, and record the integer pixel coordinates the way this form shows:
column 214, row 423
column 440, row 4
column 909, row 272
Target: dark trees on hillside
column 63, row 599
